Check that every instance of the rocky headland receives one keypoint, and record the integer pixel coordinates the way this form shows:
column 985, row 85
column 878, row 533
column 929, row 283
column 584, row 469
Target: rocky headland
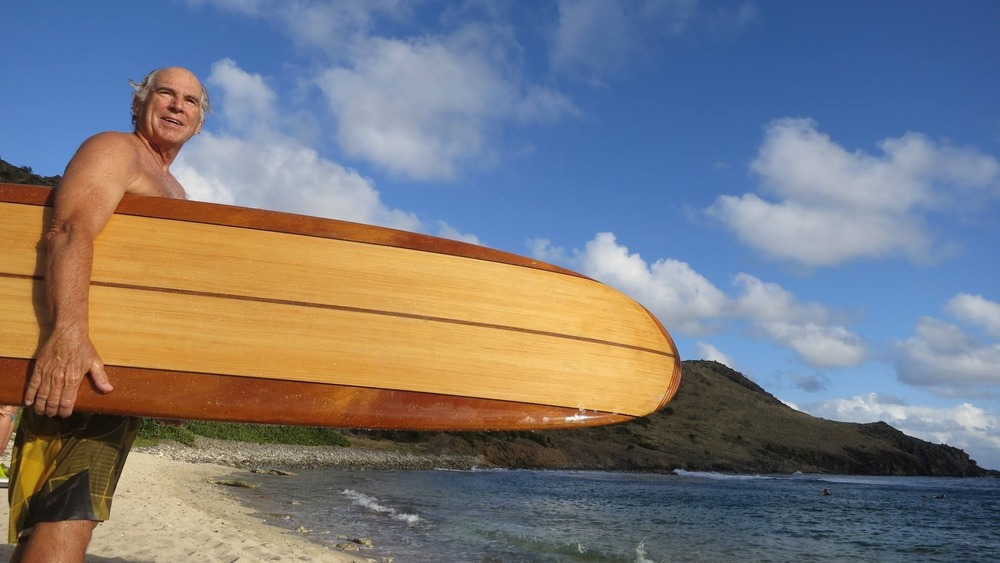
column 719, row 421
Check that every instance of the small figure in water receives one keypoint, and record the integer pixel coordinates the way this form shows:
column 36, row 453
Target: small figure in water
column 826, row 492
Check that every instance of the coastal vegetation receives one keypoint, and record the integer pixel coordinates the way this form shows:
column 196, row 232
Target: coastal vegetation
column 10, row 174
column 153, row 431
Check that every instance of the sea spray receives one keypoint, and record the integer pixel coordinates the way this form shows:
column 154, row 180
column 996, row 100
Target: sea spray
column 640, row 554
column 371, row 503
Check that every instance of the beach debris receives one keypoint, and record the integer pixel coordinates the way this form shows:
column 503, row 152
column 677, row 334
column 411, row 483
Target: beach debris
column 234, row 483
column 348, row 546
column 355, row 544
column 273, row 472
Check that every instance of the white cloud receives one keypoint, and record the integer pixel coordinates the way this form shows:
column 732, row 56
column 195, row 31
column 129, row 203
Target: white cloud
column 942, row 356
column 278, row 173
column 422, row 108
column 817, row 236
column 949, row 360
column 671, row 288
column 965, row 426
column 247, row 102
column 447, row 231
column 706, row 351
column 834, row 206
column 977, row 310
column 542, row 249
column 807, row 328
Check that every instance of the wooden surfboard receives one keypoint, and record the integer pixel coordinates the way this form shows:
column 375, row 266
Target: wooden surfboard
column 215, row 312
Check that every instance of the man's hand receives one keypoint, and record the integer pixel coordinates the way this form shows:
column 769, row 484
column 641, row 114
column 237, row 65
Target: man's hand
column 62, row 363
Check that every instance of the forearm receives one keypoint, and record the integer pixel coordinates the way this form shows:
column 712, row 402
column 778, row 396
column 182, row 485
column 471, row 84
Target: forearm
column 67, row 356
column 68, row 267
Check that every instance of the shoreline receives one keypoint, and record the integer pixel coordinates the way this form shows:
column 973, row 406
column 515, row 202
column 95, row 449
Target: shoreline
column 358, row 457
column 169, row 505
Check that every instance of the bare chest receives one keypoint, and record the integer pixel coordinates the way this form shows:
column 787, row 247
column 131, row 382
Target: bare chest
column 153, row 181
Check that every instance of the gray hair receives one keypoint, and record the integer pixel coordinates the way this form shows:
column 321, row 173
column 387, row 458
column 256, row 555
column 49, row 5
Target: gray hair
column 142, row 92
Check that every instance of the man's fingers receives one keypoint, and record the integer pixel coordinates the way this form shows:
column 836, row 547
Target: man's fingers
column 65, row 407
column 55, row 382
column 47, row 403
column 34, row 383
column 99, row 377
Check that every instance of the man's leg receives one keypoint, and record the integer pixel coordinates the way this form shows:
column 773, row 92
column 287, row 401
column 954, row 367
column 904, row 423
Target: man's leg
column 51, row 542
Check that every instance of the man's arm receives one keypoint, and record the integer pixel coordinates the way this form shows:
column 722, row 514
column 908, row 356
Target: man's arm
column 94, row 182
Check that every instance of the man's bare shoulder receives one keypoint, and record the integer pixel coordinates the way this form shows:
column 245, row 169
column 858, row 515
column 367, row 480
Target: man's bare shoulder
column 116, row 141
column 119, row 162
column 106, row 154
column 128, row 155
column 104, row 168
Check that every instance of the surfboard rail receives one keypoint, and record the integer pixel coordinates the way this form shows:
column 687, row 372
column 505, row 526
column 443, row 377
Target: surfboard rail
column 216, row 312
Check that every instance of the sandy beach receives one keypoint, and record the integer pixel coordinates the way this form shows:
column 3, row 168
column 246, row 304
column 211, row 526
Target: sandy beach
column 170, row 510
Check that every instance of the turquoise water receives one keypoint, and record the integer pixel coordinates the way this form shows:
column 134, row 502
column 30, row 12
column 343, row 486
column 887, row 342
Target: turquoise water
column 559, row 516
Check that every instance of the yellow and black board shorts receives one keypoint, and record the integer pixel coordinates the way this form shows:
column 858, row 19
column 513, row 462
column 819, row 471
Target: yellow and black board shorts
column 66, row 468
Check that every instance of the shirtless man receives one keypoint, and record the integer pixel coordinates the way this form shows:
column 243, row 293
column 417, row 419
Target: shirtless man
column 63, row 477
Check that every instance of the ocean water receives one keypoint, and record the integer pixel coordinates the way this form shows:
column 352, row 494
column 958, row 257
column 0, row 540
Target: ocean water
column 561, row 516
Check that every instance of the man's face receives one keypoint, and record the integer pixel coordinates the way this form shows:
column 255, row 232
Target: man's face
column 171, row 113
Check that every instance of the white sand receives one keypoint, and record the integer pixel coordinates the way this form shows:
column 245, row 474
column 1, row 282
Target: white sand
column 168, row 510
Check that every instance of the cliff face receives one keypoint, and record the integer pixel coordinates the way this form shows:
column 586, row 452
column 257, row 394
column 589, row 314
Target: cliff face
column 719, row 421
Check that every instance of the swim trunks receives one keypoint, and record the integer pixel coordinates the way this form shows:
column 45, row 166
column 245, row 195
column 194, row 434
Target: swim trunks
column 66, row 468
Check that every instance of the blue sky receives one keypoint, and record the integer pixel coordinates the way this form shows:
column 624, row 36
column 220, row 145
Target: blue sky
column 805, row 191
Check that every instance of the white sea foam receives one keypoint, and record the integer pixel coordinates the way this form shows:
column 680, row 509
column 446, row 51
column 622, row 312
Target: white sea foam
column 371, row 503
column 473, row 469
column 640, row 554
column 725, row 476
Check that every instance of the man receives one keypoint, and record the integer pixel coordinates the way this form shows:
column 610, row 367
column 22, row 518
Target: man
column 66, row 465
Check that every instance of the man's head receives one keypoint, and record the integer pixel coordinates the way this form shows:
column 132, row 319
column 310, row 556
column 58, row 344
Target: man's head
column 171, row 101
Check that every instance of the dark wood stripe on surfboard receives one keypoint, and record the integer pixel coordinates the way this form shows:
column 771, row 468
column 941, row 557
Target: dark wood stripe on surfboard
column 377, row 312
column 238, row 399
column 384, row 313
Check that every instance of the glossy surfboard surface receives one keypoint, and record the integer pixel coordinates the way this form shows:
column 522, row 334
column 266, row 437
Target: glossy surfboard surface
column 215, row 312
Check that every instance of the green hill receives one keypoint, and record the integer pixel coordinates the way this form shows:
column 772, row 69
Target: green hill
column 10, row 174
column 719, row 421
